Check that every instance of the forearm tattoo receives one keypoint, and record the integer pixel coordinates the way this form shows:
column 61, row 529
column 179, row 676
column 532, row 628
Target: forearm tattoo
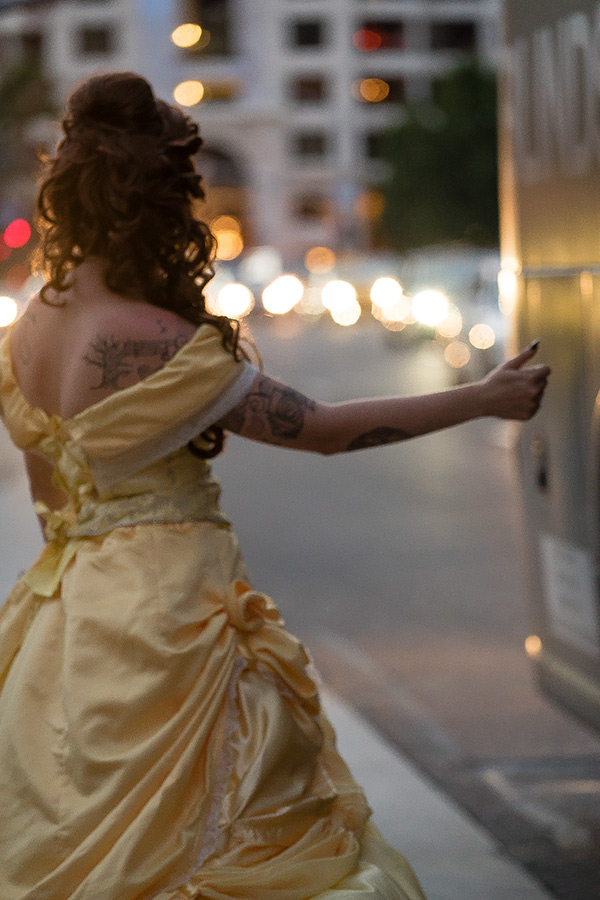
column 119, row 359
column 273, row 411
column 377, row 437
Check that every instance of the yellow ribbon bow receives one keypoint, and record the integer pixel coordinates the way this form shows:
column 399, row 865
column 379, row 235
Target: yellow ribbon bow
column 45, row 575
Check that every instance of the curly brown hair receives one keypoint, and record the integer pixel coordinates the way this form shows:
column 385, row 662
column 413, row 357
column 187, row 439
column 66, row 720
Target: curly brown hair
column 121, row 186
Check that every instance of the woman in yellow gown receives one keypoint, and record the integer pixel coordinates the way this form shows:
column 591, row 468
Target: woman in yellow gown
column 160, row 731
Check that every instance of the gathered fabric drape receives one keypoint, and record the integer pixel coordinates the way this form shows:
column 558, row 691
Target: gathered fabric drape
column 161, row 734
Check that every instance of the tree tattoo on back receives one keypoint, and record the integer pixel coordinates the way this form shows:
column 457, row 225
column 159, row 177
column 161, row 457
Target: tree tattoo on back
column 277, row 410
column 118, row 359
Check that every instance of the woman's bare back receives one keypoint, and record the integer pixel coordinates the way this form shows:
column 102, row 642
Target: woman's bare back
column 68, row 357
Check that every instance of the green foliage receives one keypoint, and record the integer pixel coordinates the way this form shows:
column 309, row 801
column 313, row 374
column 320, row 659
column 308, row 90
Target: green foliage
column 443, row 158
column 23, row 94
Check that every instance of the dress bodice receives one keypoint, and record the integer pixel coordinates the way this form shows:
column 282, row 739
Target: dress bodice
column 125, row 460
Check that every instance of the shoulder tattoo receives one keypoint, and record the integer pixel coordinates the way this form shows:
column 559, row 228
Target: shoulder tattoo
column 118, row 359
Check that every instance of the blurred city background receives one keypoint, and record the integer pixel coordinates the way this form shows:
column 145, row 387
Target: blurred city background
column 350, row 166
column 340, row 140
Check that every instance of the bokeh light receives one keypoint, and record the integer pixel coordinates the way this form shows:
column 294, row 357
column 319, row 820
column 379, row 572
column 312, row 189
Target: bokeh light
column 319, row 260
column 186, row 35
column 430, row 307
column 482, row 336
column 17, row 233
column 311, row 305
column 451, row 325
column 235, row 300
column 457, row 354
column 228, row 234
column 188, row 93
column 367, row 40
column 347, row 314
column 508, row 286
column 371, row 90
column 386, row 292
column 282, row 294
column 260, row 265
column 9, row 311
column 533, row 645
column 338, row 295
column 226, row 223
column 229, row 244
column 399, row 313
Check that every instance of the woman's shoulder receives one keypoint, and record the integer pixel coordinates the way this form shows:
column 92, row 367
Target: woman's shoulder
column 85, row 354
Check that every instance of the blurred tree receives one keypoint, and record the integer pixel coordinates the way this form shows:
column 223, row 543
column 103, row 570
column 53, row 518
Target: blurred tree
column 443, row 160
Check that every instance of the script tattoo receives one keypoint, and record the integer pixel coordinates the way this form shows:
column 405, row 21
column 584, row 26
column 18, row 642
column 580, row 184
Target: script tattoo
column 274, row 410
column 377, row 437
column 119, row 359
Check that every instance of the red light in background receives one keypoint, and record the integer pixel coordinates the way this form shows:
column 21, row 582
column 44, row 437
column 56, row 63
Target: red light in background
column 4, row 250
column 367, row 40
column 17, row 233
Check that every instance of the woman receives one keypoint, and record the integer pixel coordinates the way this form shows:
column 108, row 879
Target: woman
column 160, row 732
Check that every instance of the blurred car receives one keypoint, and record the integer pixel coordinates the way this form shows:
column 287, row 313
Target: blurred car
column 474, row 330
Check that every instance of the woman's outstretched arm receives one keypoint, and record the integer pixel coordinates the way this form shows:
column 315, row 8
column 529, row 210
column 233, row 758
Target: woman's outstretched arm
column 274, row 413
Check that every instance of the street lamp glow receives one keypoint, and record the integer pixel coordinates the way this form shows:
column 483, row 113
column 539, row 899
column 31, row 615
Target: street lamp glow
column 338, row 294
column 188, row 93
column 186, row 35
column 235, row 300
column 430, row 307
column 8, row 311
column 282, row 294
column 346, row 315
column 386, row 292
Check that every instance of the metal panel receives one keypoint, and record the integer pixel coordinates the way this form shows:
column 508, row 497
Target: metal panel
column 550, row 199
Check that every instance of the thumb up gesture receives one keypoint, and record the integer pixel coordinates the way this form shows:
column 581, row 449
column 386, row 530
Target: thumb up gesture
column 514, row 390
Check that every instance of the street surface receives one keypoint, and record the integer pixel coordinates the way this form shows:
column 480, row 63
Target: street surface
column 402, row 568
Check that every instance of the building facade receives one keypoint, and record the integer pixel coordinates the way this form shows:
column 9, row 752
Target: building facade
column 295, row 93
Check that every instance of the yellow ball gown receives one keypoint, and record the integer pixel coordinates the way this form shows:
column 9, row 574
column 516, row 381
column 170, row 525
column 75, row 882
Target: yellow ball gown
column 161, row 735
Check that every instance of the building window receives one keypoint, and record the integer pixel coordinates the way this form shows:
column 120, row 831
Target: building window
column 375, row 145
column 379, row 90
column 96, row 40
column 32, row 44
column 453, row 36
column 214, row 18
column 307, row 34
column 220, row 91
column 379, row 35
column 310, row 207
column 309, row 90
column 310, row 144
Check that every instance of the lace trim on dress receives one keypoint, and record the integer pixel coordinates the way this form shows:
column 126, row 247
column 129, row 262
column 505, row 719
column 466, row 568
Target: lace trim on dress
column 213, row 833
column 108, row 472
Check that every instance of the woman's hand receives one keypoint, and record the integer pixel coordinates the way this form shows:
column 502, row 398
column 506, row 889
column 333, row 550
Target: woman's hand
column 514, row 390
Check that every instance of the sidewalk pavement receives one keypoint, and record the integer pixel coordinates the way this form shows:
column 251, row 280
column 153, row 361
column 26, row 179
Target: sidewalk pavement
column 454, row 858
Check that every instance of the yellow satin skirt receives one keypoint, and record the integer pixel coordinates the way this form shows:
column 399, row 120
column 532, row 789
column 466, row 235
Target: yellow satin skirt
column 161, row 737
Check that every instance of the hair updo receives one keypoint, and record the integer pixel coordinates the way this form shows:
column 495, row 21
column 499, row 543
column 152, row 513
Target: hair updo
column 121, row 186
